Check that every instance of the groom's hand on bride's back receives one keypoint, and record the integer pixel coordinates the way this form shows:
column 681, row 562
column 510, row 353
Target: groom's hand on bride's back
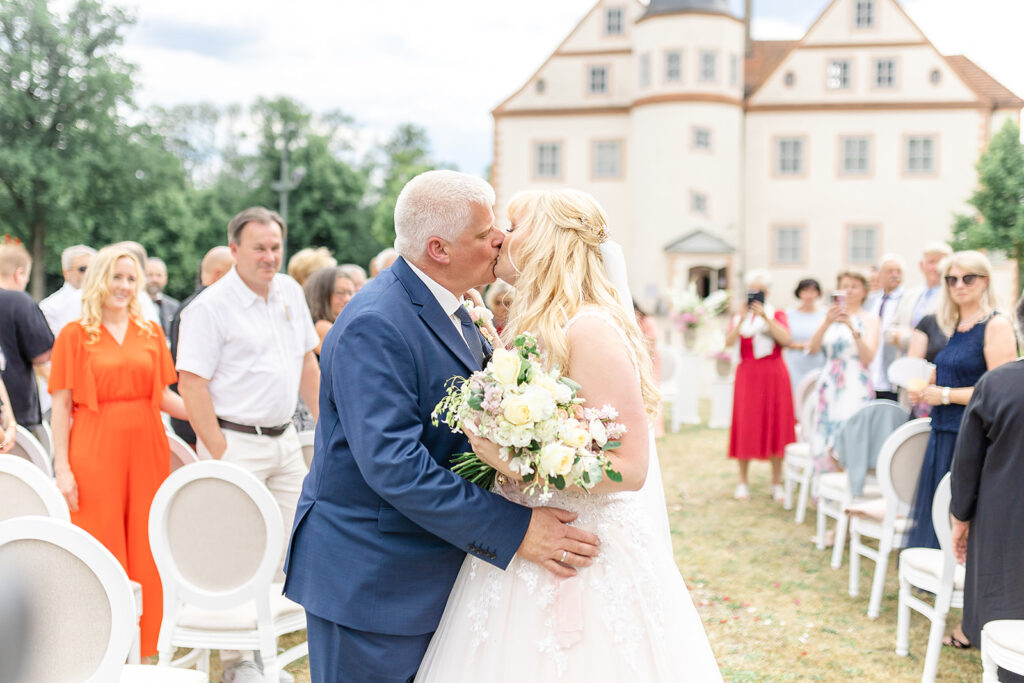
column 556, row 546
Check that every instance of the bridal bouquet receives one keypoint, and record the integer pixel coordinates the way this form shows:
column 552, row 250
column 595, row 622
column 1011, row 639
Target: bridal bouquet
column 535, row 417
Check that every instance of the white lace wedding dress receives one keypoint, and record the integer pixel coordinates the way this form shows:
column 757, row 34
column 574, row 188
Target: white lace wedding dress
column 628, row 617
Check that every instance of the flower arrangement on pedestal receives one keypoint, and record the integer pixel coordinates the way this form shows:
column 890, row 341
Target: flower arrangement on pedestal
column 722, row 356
column 690, row 311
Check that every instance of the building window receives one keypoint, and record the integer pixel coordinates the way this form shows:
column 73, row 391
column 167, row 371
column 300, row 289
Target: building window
column 936, row 76
column 673, row 66
column 598, row 80
column 540, row 85
column 699, row 202
column 789, row 245
column 856, row 156
column 607, row 159
column 734, row 70
column 789, row 79
column 863, row 244
column 839, row 74
column 613, row 25
column 701, row 138
column 548, row 160
column 789, row 156
column 708, row 66
column 645, row 70
column 864, row 14
column 885, row 73
column 920, row 154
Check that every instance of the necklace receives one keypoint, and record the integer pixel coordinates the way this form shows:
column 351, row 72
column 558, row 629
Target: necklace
column 965, row 325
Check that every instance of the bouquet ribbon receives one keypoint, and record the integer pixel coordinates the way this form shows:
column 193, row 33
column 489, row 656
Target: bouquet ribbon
column 569, row 611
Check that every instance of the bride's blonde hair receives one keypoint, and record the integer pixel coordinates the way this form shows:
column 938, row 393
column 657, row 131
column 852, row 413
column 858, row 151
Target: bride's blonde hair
column 96, row 289
column 561, row 271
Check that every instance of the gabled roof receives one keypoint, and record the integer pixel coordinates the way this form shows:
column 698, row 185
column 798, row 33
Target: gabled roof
column 988, row 89
column 699, row 242
column 765, row 55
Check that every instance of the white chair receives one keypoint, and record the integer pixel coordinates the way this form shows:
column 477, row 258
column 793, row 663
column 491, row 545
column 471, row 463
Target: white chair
column 1002, row 645
column 933, row 571
column 797, row 463
column 217, row 539
column 44, row 435
column 25, row 491
column 670, row 382
column 28, row 447
column 181, row 452
column 804, row 388
column 898, row 468
column 81, row 605
column 306, row 439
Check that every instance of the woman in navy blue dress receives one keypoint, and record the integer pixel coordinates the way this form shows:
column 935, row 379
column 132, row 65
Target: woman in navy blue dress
column 979, row 339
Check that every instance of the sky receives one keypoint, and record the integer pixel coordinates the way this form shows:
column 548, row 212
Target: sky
column 444, row 64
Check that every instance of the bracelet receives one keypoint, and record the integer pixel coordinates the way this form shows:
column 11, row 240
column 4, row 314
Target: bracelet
column 945, row 396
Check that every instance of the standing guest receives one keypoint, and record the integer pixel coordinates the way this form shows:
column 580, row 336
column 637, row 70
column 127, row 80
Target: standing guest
column 305, row 262
column 327, row 291
column 647, row 324
column 25, row 336
column 65, row 304
column 382, row 261
column 762, row 406
column 149, row 309
column 498, row 299
column 109, row 380
column 215, row 264
column 849, row 337
column 355, row 273
column 874, row 289
column 156, row 280
column 890, row 271
column 988, row 473
column 921, row 301
column 803, row 321
column 245, row 354
column 980, row 339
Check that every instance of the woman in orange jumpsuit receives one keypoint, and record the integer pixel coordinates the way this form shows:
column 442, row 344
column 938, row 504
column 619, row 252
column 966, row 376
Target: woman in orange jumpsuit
column 109, row 377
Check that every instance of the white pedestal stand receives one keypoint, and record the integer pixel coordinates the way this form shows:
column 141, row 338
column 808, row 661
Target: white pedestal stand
column 684, row 407
column 721, row 404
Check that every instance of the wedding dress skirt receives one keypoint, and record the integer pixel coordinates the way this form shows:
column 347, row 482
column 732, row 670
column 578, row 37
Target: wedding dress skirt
column 628, row 617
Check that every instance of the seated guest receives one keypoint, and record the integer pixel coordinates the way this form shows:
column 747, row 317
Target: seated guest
column 498, row 299
column 305, row 262
column 980, row 339
column 355, row 273
column 65, row 304
column 848, row 335
column 803, row 321
column 382, row 261
column 327, row 291
column 988, row 475
column 762, row 407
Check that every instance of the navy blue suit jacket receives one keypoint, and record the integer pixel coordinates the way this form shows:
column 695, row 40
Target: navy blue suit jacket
column 383, row 524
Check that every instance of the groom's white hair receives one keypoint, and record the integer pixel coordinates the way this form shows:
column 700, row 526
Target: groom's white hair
column 436, row 203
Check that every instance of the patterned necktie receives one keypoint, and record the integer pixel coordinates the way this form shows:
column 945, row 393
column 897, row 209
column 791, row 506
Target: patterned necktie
column 470, row 334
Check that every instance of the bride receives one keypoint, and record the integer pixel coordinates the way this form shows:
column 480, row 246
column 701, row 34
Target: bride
column 628, row 616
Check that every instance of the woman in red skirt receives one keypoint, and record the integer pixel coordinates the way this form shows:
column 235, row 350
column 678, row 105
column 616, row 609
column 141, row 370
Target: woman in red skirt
column 762, row 406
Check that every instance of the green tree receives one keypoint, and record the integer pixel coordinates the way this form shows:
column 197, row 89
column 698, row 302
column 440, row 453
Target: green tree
column 999, row 200
column 405, row 155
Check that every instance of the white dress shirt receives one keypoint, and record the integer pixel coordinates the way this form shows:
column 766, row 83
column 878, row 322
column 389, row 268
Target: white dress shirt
column 250, row 349
column 448, row 301
column 62, row 307
column 886, row 353
column 149, row 310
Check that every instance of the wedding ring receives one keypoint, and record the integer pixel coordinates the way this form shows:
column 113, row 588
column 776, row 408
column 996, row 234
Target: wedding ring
column 564, row 553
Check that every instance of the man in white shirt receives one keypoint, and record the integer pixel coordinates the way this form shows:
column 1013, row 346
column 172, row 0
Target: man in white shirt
column 890, row 271
column 65, row 304
column 919, row 302
column 245, row 354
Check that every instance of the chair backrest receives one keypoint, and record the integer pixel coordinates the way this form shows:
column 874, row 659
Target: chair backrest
column 804, row 388
column 806, row 416
column 25, row 491
column 28, row 447
column 306, row 438
column 181, row 452
column 216, row 535
column 899, row 464
column 81, row 604
column 44, row 435
column 940, row 514
column 670, row 365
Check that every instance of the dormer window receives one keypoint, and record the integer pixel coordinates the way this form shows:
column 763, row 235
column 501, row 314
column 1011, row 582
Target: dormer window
column 540, row 85
column 613, row 25
column 864, row 14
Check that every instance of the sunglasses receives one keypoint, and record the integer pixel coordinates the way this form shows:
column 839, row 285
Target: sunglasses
column 968, row 279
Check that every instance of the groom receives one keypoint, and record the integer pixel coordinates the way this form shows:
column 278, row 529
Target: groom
column 383, row 525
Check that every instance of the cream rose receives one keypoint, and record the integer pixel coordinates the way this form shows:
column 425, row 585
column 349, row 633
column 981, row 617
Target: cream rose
column 557, row 459
column 575, row 436
column 517, row 410
column 505, row 366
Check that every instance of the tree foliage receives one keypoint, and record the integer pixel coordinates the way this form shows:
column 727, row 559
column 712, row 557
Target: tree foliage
column 999, row 200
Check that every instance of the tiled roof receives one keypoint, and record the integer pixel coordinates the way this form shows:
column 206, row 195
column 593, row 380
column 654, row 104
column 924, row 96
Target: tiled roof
column 766, row 55
column 988, row 89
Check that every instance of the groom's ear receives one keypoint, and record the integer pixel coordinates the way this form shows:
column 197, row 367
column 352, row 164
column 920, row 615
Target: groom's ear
column 439, row 250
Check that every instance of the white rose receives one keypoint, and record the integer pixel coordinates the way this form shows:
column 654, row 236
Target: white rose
column 505, row 366
column 598, row 431
column 542, row 403
column 575, row 436
column 518, row 410
column 557, row 459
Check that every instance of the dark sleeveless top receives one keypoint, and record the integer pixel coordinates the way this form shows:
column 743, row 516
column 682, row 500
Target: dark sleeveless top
column 960, row 364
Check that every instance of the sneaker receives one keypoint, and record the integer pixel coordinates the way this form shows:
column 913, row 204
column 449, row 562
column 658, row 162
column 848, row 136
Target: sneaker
column 243, row 672
column 742, row 493
column 282, row 675
column 778, row 494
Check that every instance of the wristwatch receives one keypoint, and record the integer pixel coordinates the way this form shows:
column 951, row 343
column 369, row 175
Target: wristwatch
column 945, row 396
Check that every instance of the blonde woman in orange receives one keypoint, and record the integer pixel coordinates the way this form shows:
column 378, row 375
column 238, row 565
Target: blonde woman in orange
column 110, row 372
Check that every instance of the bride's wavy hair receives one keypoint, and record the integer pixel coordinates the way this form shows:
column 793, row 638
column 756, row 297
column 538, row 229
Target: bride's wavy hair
column 562, row 271
column 96, row 289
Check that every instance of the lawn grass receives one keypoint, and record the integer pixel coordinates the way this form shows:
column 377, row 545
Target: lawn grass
column 773, row 608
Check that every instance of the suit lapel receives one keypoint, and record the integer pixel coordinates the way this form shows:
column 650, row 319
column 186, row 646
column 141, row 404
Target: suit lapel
column 433, row 315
